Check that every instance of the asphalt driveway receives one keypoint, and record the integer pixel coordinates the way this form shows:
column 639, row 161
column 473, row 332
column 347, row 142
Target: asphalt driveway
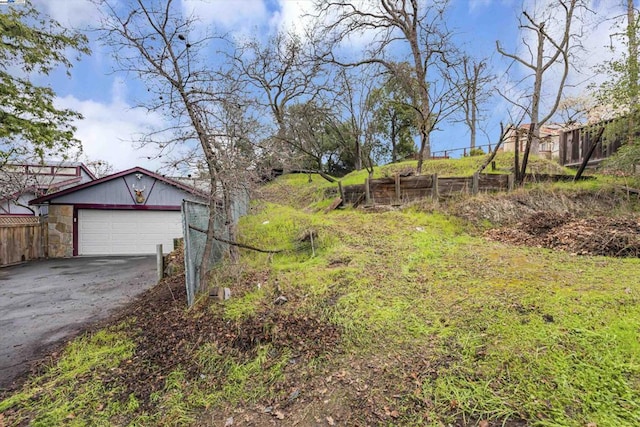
column 42, row 302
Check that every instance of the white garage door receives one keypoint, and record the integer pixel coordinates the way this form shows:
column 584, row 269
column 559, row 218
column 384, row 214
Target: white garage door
column 112, row 232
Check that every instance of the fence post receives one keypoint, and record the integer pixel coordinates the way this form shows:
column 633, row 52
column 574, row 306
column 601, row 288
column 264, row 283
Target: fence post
column 367, row 192
column 475, row 183
column 398, row 195
column 434, row 186
column 510, row 182
column 493, row 165
column 159, row 262
column 341, row 191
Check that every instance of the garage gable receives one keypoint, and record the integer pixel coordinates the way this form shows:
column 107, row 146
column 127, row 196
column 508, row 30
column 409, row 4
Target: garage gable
column 133, row 188
column 126, row 213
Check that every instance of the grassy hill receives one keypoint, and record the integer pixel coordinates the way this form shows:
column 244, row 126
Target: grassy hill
column 397, row 317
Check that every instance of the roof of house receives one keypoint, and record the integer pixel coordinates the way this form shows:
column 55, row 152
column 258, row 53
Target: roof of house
column 40, row 178
column 548, row 129
column 186, row 188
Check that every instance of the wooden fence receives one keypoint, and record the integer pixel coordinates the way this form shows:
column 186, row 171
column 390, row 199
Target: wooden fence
column 574, row 144
column 22, row 239
column 398, row 190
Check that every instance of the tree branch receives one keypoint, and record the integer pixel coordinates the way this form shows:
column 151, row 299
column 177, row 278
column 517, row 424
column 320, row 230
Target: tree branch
column 237, row 244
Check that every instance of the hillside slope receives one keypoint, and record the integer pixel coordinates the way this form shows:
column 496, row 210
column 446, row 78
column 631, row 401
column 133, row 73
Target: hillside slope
column 396, row 317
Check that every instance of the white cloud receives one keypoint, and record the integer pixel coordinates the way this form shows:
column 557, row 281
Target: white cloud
column 236, row 15
column 108, row 130
column 477, row 4
column 297, row 15
column 293, row 15
column 589, row 51
column 596, row 44
column 73, row 13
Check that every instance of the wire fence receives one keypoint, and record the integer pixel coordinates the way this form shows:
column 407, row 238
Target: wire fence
column 195, row 218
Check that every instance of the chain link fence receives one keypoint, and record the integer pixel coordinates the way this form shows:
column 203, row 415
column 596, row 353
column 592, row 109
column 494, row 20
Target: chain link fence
column 195, row 218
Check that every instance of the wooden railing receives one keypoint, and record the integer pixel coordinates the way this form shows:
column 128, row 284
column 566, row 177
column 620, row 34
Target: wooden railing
column 454, row 152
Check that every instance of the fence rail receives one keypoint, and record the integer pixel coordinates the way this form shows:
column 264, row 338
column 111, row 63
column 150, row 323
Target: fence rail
column 22, row 241
column 464, row 151
column 398, row 190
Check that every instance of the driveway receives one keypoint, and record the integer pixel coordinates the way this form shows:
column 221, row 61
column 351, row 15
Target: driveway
column 42, row 302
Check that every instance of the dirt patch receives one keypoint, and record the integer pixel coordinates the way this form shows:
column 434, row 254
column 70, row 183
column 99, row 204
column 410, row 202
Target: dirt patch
column 168, row 337
column 599, row 235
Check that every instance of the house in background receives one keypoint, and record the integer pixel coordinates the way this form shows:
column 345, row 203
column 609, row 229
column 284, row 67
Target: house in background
column 549, row 139
column 126, row 213
column 21, row 183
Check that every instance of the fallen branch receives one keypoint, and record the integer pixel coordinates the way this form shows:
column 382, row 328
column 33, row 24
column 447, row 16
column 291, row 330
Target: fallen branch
column 239, row 245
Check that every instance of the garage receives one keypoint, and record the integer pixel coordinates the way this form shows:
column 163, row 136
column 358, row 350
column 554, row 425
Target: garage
column 119, row 232
column 127, row 213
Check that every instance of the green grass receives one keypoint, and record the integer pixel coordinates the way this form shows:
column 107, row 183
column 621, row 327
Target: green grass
column 517, row 333
column 223, row 381
column 71, row 391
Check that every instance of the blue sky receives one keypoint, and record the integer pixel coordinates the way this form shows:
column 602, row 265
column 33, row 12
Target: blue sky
column 107, row 100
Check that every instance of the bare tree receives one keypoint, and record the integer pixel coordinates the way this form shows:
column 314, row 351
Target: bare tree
column 474, row 91
column 552, row 47
column 285, row 70
column 354, row 122
column 578, row 110
column 417, row 26
column 204, row 109
column 307, row 133
column 99, row 168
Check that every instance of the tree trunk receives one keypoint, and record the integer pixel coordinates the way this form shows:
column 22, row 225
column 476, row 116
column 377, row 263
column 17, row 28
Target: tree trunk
column 533, row 142
column 474, row 120
column 632, row 66
column 358, row 155
column 229, row 223
column 516, row 157
column 527, row 150
column 633, row 52
column 424, row 144
column 394, row 153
